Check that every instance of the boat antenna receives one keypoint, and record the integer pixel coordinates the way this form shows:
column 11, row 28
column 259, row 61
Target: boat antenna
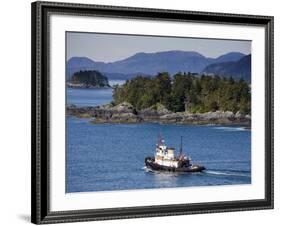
column 159, row 140
column 181, row 147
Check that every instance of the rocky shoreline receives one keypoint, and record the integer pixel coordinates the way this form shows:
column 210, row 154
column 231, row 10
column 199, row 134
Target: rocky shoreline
column 125, row 113
column 85, row 86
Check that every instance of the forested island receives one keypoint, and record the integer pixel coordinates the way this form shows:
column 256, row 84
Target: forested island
column 88, row 79
column 185, row 92
column 183, row 98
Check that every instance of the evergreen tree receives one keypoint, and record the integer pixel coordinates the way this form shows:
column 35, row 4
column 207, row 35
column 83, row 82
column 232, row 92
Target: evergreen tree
column 186, row 92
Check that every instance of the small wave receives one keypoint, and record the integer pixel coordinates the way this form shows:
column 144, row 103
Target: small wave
column 230, row 170
column 224, row 161
column 147, row 169
column 231, row 129
column 225, row 173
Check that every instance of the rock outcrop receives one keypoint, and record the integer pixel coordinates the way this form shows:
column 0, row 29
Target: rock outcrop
column 125, row 113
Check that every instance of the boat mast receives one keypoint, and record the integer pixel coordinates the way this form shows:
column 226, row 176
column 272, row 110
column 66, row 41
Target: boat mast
column 159, row 140
column 181, row 147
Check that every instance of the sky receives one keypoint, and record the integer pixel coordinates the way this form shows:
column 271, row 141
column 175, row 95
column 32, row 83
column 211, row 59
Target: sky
column 113, row 47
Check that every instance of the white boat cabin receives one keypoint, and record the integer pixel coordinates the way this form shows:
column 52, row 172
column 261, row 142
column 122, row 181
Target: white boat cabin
column 165, row 156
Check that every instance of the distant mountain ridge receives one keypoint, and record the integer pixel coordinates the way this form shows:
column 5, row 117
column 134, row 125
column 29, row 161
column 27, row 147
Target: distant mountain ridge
column 236, row 69
column 151, row 63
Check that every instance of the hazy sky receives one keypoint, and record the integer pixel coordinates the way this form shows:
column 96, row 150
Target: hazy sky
column 110, row 48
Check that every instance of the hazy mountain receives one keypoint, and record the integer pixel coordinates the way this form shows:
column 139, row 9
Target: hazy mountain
column 236, row 69
column 150, row 63
column 231, row 56
column 76, row 64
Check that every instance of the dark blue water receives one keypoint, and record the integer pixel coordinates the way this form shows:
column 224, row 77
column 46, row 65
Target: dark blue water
column 111, row 157
column 91, row 97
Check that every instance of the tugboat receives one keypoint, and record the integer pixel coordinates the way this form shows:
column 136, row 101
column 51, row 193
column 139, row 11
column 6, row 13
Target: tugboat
column 165, row 160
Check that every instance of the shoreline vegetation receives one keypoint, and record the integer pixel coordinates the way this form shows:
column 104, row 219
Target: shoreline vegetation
column 183, row 98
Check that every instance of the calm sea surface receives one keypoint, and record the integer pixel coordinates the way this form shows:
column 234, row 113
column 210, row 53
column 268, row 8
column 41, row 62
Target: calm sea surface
column 91, row 97
column 111, row 157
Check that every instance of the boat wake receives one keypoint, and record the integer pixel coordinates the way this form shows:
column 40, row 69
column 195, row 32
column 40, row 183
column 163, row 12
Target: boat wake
column 228, row 173
column 224, row 161
column 235, row 173
column 154, row 171
column 231, row 129
column 146, row 169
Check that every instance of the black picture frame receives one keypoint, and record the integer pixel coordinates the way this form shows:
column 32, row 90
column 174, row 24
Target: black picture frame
column 40, row 211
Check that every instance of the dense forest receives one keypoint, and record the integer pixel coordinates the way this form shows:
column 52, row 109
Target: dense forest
column 90, row 78
column 186, row 92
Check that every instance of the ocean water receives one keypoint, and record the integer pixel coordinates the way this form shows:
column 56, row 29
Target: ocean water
column 91, row 97
column 111, row 157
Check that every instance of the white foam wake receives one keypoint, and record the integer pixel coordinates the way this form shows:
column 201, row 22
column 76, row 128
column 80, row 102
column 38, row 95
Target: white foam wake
column 231, row 129
column 225, row 173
